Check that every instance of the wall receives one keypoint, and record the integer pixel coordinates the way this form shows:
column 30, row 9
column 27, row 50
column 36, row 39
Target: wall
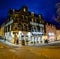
column 51, row 29
column 58, row 34
column 2, row 31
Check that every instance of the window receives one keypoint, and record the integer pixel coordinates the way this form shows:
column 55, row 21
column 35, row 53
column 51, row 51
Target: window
column 15, row 26
column 40, row 16
column 32, row 20
column 41, row 29
column 5, row 29
column 24, row 9
column 8, row 28
column 32, row 13
column 22, row 16
column 35, row 20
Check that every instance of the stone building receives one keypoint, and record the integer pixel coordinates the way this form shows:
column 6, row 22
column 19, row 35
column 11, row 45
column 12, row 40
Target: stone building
column 50, row 32
column 58, row 34
column 26, row 25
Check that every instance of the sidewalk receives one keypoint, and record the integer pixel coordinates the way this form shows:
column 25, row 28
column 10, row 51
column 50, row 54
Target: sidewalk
column 10, row 44
column 55, row 43
column 19, row 45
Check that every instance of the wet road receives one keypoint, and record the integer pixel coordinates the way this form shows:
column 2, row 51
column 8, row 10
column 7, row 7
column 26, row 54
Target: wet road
column 26, row 52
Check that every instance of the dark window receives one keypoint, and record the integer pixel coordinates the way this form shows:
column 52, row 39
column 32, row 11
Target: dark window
column 5, row 29
column 8, row 28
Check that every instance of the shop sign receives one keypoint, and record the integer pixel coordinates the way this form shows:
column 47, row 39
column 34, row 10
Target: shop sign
column 37, row 33
column 51, row 34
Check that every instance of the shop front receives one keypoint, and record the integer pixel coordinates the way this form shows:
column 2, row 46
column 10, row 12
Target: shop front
column 14, row 37
column 51, row 36
column 45, row 38
column 37, row 37
column 24, row 39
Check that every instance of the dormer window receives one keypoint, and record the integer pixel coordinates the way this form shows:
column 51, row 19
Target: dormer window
column 35, row 20
column 32, row 13
column 13, row 10
column 39, row 16
column 40, row 21
column 32, row 20
column 24, row 9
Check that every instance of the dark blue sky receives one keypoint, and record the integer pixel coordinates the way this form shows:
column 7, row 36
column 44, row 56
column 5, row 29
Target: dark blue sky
column 45, row 7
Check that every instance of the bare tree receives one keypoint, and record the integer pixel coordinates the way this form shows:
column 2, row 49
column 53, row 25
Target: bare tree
column 58, row 12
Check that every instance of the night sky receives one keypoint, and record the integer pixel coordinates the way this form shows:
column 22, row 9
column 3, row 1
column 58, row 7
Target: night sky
column 45, row 7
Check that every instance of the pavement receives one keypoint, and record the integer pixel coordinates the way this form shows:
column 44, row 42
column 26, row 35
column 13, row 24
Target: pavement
column 55, row 43
column 30, row 52
column 10, row 44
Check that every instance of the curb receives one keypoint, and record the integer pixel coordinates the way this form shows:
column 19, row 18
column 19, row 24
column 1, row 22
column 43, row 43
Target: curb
column 9, row 44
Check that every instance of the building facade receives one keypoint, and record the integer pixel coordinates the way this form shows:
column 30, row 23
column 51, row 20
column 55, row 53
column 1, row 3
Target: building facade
column 50, row 32
column 2, row 30
column 58, row 34
column 24, row 26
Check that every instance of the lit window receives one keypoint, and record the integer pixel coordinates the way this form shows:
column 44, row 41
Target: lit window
column 40, row 16
column 32, row 13
column 24, row 9
column 32, row 20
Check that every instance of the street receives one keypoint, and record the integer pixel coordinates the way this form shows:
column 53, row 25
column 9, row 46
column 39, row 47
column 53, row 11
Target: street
column 29, row 52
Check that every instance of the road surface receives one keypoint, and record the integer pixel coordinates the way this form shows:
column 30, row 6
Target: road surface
column 29, row 52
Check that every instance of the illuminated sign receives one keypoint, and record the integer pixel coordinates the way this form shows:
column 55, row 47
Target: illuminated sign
column 37, row 33
column 36, row 24
column 9, row 23
column 51, row 34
